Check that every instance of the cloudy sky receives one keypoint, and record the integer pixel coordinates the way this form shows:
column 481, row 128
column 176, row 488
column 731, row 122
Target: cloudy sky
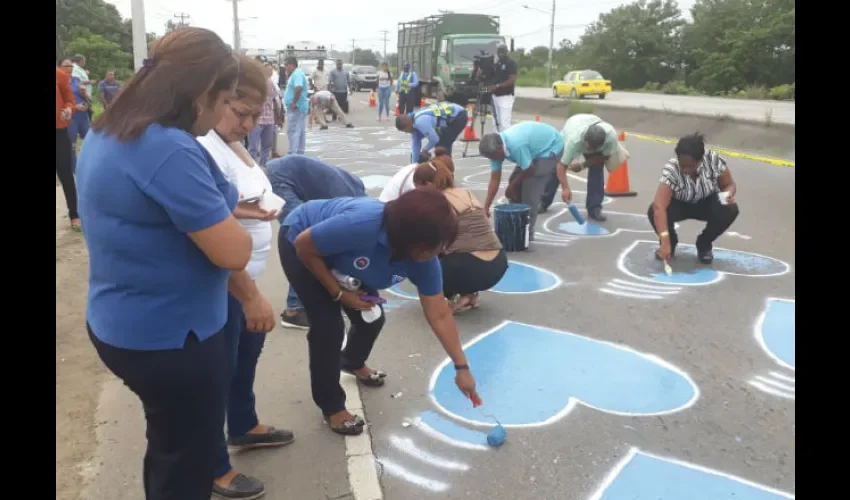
column 271, row 24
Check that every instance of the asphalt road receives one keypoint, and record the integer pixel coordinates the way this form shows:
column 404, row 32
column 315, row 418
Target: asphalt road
column 604, row 375
column 743, row 109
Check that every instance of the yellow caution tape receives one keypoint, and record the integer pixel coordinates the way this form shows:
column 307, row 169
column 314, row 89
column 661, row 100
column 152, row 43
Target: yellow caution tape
column 727, row 152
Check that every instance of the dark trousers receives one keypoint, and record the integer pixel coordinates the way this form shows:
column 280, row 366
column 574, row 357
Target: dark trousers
column 342, row 100
column 183, row 400
column 243, row 351
column 595, row 189
column 718, row 218
column 65, row 171
column 326, row 333
column 449, row 135
column 464, row 273
column 405, row 102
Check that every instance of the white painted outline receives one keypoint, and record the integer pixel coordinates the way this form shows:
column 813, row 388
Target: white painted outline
column 558, row 282
column 427, row 483
column 772, row 390
column 573, row 402
column 644, row 287
column 630, row 295
column 439, row 436
column 407, row 446
column 615, row 232
column 759, row 333
column 720, row 274
column 617, row 469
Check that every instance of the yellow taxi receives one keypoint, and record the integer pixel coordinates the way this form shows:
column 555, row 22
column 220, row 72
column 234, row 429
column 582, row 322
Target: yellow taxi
column 577, row 84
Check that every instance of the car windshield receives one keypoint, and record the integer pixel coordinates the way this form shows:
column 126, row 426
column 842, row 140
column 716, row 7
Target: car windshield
column 590, row 75
column 365, row 69
column 465, row 49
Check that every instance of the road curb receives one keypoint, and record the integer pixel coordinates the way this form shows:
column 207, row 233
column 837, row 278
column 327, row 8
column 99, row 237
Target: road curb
column 362, row 470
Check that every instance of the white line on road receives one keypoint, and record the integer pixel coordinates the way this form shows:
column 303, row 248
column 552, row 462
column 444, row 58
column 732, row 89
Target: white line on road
column 362, row 473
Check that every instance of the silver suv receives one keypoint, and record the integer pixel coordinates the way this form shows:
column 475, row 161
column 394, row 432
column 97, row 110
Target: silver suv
column 363, row 77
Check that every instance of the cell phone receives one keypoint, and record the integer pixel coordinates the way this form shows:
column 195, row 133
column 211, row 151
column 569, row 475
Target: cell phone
column 373, row 299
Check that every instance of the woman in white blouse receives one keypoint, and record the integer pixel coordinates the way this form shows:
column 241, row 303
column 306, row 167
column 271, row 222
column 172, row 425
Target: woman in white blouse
column 250, row 315
column 402, row 181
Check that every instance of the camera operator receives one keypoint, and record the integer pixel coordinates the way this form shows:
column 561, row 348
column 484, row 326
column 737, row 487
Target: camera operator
column 503, row 89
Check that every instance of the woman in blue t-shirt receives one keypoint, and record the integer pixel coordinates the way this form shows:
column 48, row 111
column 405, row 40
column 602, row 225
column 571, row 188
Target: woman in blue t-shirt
column 162, row 243
column 336, row 254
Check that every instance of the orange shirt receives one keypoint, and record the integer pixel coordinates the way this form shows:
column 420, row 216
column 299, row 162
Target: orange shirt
column 64, row 96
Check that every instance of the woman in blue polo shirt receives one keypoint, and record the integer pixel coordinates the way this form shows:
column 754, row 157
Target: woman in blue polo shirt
column 162, row 242
column 379, row 245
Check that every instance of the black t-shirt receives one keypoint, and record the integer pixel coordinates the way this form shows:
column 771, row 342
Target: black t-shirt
column 505, row 69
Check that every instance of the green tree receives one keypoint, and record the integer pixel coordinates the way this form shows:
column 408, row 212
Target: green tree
column 634, row 44
column 734, row 43
column 366, row 57
column 102, row 55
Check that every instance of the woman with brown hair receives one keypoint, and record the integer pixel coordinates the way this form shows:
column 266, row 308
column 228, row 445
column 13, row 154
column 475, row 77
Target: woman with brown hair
column 337, row 254
column 476, row 260
column 162, row 243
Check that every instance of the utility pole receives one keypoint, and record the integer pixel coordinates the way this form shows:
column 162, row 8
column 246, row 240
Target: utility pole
column 551, row 46
column 237, row 42
column 352, row 50
column 182, row 16
column 386, row 33
column 140, row 38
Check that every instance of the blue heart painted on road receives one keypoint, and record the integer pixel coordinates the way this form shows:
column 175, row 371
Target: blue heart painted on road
column 775, row 331
column 638, row 261
column 529, row 375
column 641, row 476
column 518, row 279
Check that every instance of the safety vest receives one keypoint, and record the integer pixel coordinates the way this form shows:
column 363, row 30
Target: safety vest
column 441, row 110
column 404, row 82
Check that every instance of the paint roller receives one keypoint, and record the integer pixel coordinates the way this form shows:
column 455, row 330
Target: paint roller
column 497, row 435
column 576, row 214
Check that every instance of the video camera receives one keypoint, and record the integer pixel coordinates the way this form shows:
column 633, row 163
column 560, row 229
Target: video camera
column 483, row 68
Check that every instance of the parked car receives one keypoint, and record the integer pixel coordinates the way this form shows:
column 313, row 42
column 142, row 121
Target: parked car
column 363, row 77
column 578, row 84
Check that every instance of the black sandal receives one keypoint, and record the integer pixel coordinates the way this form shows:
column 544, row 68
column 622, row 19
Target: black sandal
column 351, row 427
column 376, row 379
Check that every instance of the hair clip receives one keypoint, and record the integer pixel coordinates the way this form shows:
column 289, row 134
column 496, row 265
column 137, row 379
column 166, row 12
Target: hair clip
column 148, row 63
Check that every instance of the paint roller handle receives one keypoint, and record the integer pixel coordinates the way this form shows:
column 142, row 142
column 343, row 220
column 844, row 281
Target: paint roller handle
column 567, row 195
column 664, row 251
column 466, row 383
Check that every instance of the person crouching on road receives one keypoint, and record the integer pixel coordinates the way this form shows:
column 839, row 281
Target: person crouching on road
column 440, row 123
column 322, row 102
column 588, row 136
column 378, row 245
column 249, row 314
column 536, row 148
column 475, row 261
column 402, row 181
column 696, row 184
column 298, row 179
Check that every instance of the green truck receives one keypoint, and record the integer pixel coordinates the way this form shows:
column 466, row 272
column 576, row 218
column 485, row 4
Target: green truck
column 441, row 50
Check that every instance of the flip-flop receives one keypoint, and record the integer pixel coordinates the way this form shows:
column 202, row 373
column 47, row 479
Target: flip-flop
column 376, row 379
column 351, row 427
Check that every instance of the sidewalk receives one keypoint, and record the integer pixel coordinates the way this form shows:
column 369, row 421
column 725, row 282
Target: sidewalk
column 314, row 467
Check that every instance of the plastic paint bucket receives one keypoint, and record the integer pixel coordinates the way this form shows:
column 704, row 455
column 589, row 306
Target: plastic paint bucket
column 511, row 222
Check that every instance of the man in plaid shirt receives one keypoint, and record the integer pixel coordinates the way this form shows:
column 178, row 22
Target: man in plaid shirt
column 262, row 138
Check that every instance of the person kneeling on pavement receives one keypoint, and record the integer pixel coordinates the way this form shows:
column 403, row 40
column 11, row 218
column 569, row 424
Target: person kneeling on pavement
column 696, row 184
column 322, row 102
column 298, row 179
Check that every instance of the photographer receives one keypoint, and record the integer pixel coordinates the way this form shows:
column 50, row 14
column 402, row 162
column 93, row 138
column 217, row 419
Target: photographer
column 503, row 90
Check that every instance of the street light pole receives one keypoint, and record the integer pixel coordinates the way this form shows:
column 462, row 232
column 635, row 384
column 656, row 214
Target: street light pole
column 237, row 42
column 551, row 46
column 140, row 37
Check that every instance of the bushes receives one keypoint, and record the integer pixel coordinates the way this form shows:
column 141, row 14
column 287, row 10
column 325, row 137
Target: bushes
column 678, row 87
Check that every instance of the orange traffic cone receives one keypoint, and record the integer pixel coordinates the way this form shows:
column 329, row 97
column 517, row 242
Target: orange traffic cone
column 421, row 102
column 372, row 103
column 396, row 108
column 618, row 180
column 537, row 118
column 469, row 131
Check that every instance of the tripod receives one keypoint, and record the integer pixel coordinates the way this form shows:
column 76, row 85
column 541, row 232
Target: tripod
column 481, row 108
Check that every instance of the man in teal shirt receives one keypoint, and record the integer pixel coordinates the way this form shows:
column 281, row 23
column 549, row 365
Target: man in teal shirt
column 536, row 148
column 587, row 136
column 297, row 106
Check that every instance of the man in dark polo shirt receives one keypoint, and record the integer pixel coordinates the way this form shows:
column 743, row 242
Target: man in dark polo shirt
column 503, row 90
column 108, row 89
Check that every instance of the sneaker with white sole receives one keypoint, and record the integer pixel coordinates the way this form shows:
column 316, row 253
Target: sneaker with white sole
column 297, row 320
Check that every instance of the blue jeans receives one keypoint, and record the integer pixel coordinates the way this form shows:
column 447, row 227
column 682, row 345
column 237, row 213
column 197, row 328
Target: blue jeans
column 595, row 188
column 292, row 300
column 260, row 142
column 296, row 130
column 243, row 349
column 384, row 94
column 78, row 128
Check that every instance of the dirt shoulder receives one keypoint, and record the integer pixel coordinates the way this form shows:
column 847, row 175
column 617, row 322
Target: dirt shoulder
column 79, row 372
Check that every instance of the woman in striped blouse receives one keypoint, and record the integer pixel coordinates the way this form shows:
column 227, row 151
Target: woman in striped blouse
column 696, row 184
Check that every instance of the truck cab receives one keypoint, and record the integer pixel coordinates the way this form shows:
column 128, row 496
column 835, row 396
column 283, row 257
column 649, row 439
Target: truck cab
column 455, row 63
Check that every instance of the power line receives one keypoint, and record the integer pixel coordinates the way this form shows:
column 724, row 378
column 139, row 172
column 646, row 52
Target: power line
column 182, row 16
column 386, row 33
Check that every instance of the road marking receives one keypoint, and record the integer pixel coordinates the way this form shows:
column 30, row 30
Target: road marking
column 735, row 154
column 408, row 446
column 775, row 332
column 362, row 473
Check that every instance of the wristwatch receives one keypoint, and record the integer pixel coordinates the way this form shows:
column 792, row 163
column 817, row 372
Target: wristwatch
column 461, row 367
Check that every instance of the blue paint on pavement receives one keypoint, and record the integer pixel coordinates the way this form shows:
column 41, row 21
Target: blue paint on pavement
column 646, row 477
column 533, row 375
column 586, row 229
column 522, row 278
column 777, row 330
column 694, row 277
column 452, row 430
column 375, row 181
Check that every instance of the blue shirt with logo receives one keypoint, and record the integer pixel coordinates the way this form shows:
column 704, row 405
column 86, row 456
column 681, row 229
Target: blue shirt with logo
column 297, row 79
column 78, row 95
column 149, row 284
column 425, row 125
column 527, row 141
column 349, row 233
